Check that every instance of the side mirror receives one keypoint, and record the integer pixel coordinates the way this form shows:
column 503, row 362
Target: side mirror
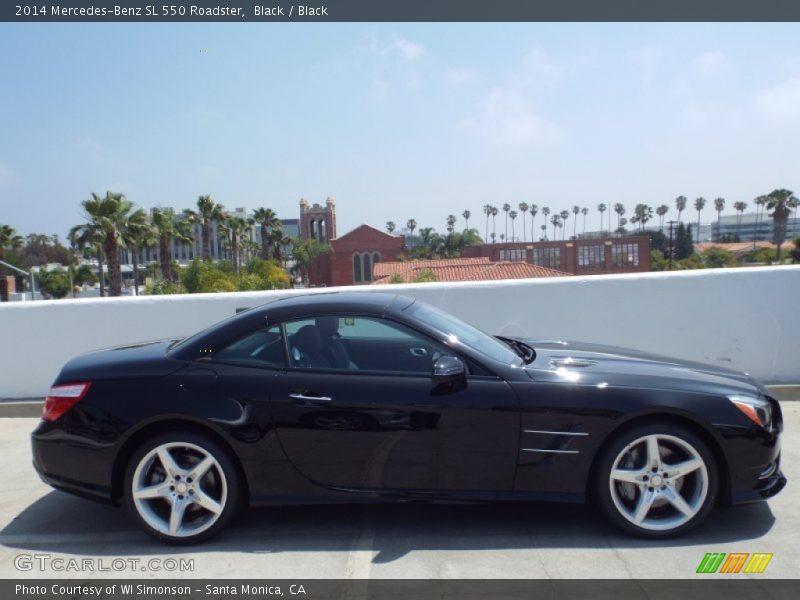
column 448, row 370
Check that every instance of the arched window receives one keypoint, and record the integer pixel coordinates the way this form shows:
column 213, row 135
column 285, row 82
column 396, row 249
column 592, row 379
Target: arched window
column 376, row 258
column 312, row 227
column 323, row 231
column 367, row 268
column 356, row 268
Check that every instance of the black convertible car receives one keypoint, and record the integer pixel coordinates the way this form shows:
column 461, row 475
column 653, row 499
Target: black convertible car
column 341, row 396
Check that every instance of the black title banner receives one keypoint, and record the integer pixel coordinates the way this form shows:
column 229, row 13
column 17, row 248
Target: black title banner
column 401, row 10
column 399, row 589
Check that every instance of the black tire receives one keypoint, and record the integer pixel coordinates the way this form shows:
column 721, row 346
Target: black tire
column 223, row 477
column 628, row 495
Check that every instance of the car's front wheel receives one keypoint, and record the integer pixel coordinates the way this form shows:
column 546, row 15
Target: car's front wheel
column 656, row 480
column 182, row 487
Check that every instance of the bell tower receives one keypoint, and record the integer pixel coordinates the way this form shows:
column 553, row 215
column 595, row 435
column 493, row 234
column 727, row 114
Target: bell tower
column 318, row 222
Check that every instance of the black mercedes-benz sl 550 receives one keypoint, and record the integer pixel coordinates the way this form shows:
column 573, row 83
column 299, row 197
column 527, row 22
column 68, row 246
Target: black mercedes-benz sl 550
column 341, row 396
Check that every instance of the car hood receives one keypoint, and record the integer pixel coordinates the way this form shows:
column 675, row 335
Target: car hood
column 143, row 360
column 596, row 364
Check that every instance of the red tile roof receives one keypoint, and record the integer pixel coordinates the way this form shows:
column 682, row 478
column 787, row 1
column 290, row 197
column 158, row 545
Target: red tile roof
column 462, row 269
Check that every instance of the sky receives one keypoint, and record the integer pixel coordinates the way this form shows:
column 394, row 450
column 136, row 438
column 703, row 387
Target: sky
column 394, row 121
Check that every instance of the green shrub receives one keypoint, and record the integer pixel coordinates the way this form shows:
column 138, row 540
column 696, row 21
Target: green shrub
column 162, row 287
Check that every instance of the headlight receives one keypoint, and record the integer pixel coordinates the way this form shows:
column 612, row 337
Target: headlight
column 758, row 410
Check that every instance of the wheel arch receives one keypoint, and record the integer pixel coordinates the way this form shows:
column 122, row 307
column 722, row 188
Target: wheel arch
column 702, row 430
column 169, row 424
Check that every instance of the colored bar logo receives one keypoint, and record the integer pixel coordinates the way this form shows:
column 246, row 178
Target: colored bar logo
column 735, row 562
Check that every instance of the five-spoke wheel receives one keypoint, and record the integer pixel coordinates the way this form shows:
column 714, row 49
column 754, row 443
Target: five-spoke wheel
column 656, row 480
column 181, row 487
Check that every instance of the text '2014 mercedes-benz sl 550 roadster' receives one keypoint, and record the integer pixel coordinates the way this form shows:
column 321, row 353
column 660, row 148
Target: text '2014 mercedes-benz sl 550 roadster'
column 342, row 396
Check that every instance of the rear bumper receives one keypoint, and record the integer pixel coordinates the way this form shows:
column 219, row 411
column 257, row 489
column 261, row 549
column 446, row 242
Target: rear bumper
column 70, row 466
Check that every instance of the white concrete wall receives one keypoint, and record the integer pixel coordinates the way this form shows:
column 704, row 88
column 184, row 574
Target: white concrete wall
column 743, row 318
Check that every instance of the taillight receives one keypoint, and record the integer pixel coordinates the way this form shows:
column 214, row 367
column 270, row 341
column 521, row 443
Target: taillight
column 62, row 398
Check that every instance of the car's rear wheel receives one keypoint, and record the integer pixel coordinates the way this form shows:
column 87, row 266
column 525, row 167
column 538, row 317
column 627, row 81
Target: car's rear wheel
column 656, row 480
column 182, row 487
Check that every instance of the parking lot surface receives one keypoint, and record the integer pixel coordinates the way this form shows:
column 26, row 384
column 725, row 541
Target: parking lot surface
column 387, row 541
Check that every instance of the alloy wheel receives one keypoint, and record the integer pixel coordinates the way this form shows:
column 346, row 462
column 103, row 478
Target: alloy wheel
column 659, row 482
column 179, row 489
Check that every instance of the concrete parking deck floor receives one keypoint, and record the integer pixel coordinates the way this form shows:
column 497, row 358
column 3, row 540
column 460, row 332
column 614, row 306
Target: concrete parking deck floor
column 406, row 541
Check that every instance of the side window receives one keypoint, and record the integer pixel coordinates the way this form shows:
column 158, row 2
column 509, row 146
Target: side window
column 263, row 348
column 361, row 344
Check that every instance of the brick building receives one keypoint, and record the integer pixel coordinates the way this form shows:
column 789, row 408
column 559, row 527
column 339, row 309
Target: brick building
column 352, row 256
column 576, row 257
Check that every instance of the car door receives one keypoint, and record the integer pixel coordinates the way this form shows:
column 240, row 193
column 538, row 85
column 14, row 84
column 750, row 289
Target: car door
column 375, row 420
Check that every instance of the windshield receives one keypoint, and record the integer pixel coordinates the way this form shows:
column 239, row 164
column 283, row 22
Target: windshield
column 464, row 333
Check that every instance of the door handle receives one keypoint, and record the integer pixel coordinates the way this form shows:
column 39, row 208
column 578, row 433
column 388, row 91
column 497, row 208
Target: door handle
column 305, row 398
column 418, row 351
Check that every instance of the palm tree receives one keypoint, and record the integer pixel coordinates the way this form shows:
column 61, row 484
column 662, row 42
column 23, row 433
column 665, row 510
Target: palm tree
column 545, row 213
column 513, row 216
column 8, row 239
column 576, row 210
column 661, row 211
column 740, row 208
column 643, row 214
column 451, row 223
column 601, row 208
column 207, row 211
column 524, row 207
column 556, row 222
column 719, row 206
column 494, row 222
column 487, row 210
column 168, row 227
column 534, row 212
column 137, row 234
column 233, row 227
column 699, row 203
column 584, row 212
column 564, row 214
column 760, row 202
column 267, row 220
column 544, row 231
column 412, row 225
column 680, row 205
column 390, row 226
column 277, row 241
column 88, row 239
column 780, row 202
column 466, row 214
column 619, row 208
column 506, row 208
column 108, row 215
